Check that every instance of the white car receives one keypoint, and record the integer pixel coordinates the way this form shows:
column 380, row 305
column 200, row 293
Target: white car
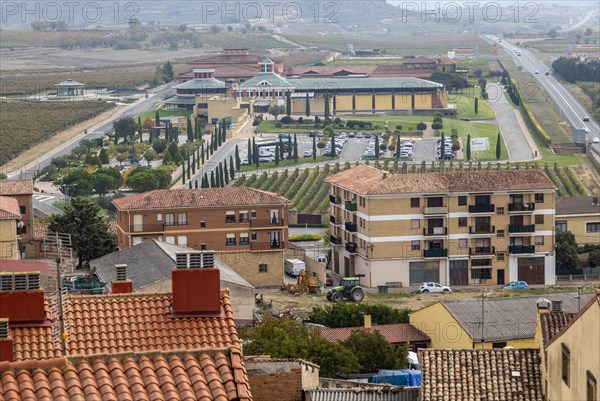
column 596, row 140
column 434, row 287
column 308, row 153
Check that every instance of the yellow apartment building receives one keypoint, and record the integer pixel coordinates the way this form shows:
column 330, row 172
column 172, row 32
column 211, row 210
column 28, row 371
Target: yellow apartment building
column 472, row 228
column 10, row 215
column 581, row 216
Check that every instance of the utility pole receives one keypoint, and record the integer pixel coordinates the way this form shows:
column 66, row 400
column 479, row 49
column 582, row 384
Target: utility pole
column 65, row 188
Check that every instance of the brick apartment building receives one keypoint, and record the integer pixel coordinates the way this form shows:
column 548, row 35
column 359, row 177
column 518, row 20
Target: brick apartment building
column 246, row 227
column 485, row 227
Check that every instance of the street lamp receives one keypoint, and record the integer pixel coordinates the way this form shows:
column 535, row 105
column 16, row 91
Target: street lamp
column 579, row 288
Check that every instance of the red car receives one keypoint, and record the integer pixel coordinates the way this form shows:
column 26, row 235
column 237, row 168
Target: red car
column 328, row 280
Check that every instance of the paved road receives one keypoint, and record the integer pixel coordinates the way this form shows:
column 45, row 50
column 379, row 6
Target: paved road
column 512, row 132
column 158, row 96
column 425, row 149
column 43, row 203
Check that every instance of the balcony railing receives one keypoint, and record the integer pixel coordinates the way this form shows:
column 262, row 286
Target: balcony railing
column 266, row 222
column 264, row 246
column 514, row 228
column 351, row 247
column 521, row 249
column 435, row 210
column 481, row 208
column 482, row 250
column 334, row 199
column 350, row 206
column 435, row 253
column 435, row 231
column 482, row 229
column 521, row 207
column 147, row 228
column 350, row 227
column 335, row 240
column 332, row 219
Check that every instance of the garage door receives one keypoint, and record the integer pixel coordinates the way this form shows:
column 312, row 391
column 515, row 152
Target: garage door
column 531, row 270
column 424, row 271
column 459, row 272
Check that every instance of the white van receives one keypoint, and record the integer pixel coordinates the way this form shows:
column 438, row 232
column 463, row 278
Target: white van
column 294, row 267
column 322, row 259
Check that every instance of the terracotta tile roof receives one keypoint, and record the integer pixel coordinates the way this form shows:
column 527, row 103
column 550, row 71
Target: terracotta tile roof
column 9, row 208
column 422, row 60
column 366, row 180
column 194, row 198
column 552, row 323
column 445, row 61
column 41, row 266
column 216, row 375
column 393, row 333
column 331, row 70
column 474, row 375
column 109, row 324
column 16, row 187
column 35, row 341
column 399, row 71
column 577, row 205
column 595, row 299
column 40, row 230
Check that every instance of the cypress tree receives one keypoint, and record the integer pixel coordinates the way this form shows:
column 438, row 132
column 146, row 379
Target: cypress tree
column 281, row 149
column 238, row 161
column 442, row 147
column 183, row 171
column 194, row 162
column 333, row 151
column 189, row 169
column 190, row 133
column 277, row 155
column 196, row 184
column 221, row 175
column 250, row 158
column 219, row 138
column 288, row 103
column 476, row 106
column 205, row 181
column 295, row 149
column 468, row 147
column 398, row 147
column 307, row 105
column 231, row 168
column 197, row 134
column 498, row 147
column 225, row 172
column 213, row 184
column 314, row 148
column 198, row 158
column 256, row 156
column 157, row 119
column 327, row 111
column 376, row 146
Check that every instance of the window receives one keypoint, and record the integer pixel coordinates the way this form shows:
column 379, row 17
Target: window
column 500, row 256
column 22, row 209
column 158, row 216
column 539, row 198
column 230, row 241
column 253, row 214
column 500, row 233
column 592, row 227
column 203, row 246
column 566, row 364
column 253, row 235
column 500, row 344
column 182, row 240
column 539, row 219
column 170, row 239
column 561, row 225
column 262, row 268
column 539, row 240
column 182, row 219
column 414, row 202
column 462, row 201
column 415, row 223
column 462, row 243
column 202, row 224
column 591, row 386
column 244, row 216
column 462, row 221
column 415, row 245
column 482, row 274
column 229, row 217
column 169, row 219
column 244, row 239
column 500, row 210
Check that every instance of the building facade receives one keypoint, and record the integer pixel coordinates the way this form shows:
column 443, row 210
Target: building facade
column 247, row 228
column 10, row 216
column 581, row 216
column 69, row 88
column 475, row 228
column 22, row 191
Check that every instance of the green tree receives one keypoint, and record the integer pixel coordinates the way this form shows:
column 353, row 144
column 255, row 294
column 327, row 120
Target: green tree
column 377, row 146
column 281, row 149
column 284, row 338
column 190, row 132
column 163, row 175
column 307, row 105
column 167, row 72
column 142, row 181
column 157, row 118
column 277, row 155
column 276, row 110
column 103, row 183
column 125, row 127
column 374, row 352
column 398, row 146
column 345, row 314
column 167, row 159
column 160, row 145
column 231, row 168
column 442, row 147
column 468, row 147
column 421, row 126
column 238, row 160
column 566, row 250
column 314, row 148
column 333, row 151
column 104, row 156
column 476, row 106
column 250, row 147
column 225, row 172
column 213, row 183
column 594, row 258
column 150, row 155
column 327, row 107
column 90, row 236
column 498, row 147
column 295, row 149
column 552, row 33
column 288, row 103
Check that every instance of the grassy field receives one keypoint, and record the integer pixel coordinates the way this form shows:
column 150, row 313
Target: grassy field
column 256, row 42
column 465, row 105
column 23, row 125
column 163, row 113
column 27, row 38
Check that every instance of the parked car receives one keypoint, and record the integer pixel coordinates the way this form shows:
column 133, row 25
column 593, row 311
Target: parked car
column 359, row 135
column 434, row 287
column 308, row 153
column 516, row 285
column 367, row 135
column 351, row 135
column 328, row 280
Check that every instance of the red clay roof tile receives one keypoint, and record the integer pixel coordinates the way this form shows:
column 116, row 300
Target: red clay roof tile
column 16, row 187
column 393, row 333
column 9, row 208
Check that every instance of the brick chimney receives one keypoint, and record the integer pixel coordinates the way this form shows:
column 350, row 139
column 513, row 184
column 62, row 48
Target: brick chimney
column 21, row 299
column 196, row 285
column 557, row 306
column 367, row 322
column 122, row 285
column 6, row 344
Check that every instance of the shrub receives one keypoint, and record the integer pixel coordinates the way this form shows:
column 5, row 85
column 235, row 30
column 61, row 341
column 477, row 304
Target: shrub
column 286, row 120
column 399, row 127
column 278, row 125
column 304, row 237
column 421, row 126
column 351, row 315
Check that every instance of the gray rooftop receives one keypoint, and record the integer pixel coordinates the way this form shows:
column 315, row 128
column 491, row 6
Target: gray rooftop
column 201, row 83
column 266, row 79
column 150, row 262
column 69, row 82
column 507, row 318
column 181, row 100
column 578, row 205
column 331, row 84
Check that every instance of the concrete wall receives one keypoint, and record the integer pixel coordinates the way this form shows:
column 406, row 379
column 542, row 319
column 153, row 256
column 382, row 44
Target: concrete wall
column 247, row 265
column 281, row 380
column 9, row 249
column 444, row 330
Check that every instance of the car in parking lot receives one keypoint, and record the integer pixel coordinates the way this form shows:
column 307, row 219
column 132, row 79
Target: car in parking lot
column 465, row 119
column 359, row 134
column 351, row 135
column 308, row 153
column 434, row 287
column 367, row 135
column 516, row 285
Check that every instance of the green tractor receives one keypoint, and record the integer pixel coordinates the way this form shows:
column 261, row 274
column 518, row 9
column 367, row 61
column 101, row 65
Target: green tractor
column 348, row 289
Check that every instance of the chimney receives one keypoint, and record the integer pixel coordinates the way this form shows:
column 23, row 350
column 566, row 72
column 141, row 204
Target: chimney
column 6, row 344
column 122, row 285
column 21, row 299
column 557, row 306
column 196, row 285
column 367, row 320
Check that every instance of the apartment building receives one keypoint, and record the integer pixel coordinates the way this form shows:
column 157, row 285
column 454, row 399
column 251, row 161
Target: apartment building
column 472, row 228
column 246, row 227
column 581, row 216
column 22, row 191
column 10, row 216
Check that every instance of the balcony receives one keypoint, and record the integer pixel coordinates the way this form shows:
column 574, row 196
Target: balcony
column 435, row 210
column 433, row 231
column 521, row 207
column 265, row 246
column 482, row 229
column 521, row 249
column 350, row 227
column 335, row 240
column 351, row 247
column 332, row 220
column 435, row 253
column 255, row 223
column 481, row 208
column 514, row 228
column 482, row 250
column 334, row 199
column 147, row 228
column 350, row 206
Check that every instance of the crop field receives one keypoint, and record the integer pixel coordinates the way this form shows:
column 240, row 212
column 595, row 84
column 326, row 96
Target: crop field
column 565, row 180
column 255, row 42
column 26, row 38
column 24, row 124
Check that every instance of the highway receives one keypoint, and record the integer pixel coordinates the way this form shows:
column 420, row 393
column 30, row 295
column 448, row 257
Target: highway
column 570, row 108
column 157, row 97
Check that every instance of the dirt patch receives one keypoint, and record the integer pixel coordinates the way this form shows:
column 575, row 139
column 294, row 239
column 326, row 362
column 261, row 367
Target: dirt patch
column 588, row 177
column 494, row 66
